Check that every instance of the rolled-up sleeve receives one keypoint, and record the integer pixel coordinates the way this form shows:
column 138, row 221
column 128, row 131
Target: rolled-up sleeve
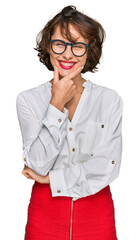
column 42, row 139
column 99, row 170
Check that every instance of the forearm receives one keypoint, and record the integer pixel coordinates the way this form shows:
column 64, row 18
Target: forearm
column 30, row 174
column 42, row 138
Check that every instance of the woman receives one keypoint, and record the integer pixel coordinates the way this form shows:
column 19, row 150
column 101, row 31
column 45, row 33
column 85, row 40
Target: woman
column 71, row 131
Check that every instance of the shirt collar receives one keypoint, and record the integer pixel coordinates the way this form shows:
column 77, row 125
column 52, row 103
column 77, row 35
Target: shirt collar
column 86, row 83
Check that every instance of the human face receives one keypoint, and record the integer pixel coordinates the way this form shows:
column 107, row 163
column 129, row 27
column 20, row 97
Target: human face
column 66, row 59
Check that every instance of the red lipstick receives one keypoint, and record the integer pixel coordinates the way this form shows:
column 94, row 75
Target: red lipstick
column 66, row 67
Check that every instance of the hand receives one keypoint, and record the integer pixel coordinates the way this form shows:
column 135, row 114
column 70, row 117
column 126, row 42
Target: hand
column 29, row 173
column 63, row 90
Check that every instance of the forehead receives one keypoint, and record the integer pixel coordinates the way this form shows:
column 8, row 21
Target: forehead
column 73, row 32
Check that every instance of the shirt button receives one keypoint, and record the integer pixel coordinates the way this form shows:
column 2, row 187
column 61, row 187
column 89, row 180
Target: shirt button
column 92, row 154
column 25, row 159
column 73, row 149
column 102, row 125
column 58, row 191
column 113, row 162
column 59, row 119
column 70, row 129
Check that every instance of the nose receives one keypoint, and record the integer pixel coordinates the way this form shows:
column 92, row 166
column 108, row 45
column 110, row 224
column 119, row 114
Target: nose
column 68, row 53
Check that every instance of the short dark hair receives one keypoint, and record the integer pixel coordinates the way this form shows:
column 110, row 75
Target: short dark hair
column 86, row 26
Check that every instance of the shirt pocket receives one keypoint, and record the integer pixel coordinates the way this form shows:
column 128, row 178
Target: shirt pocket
column 95, row 133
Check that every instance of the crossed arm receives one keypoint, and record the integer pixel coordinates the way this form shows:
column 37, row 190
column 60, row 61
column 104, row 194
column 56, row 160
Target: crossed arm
column 30, row 174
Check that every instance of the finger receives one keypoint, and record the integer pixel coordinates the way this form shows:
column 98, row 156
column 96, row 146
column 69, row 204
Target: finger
column 28, row 171
column 29, row 177
column 75, row 73
column 56, row 74
column 32, row 174
column 24, row 171
column 26, row 174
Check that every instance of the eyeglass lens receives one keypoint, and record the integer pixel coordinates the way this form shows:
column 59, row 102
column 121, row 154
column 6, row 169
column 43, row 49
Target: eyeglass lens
column 59, row 47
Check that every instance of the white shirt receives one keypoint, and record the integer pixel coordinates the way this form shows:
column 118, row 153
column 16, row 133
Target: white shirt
column 82, row 156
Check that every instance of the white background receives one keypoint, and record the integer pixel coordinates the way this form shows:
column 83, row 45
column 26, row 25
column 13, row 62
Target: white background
column 20, row 69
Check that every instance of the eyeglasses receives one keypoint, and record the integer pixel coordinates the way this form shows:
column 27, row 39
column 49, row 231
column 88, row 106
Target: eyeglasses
column 78, row 49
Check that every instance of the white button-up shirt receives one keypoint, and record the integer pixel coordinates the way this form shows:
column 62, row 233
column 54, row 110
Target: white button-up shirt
column 82, row 156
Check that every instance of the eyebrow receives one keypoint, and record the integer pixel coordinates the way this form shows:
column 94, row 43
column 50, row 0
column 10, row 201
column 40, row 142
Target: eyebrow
column 68, row 42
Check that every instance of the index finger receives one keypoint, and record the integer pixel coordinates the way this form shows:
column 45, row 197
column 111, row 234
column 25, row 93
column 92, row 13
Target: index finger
column 56, row 74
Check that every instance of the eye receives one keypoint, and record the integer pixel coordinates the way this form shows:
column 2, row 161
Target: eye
column 58, row 43
column 79, row 46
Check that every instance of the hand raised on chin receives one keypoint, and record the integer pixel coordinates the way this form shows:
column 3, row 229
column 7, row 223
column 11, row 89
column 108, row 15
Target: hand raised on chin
column 30, row 174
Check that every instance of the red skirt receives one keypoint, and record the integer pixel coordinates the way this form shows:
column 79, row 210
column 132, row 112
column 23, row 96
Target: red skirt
column 60, row 218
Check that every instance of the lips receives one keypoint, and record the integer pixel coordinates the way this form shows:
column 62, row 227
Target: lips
column 66, row 64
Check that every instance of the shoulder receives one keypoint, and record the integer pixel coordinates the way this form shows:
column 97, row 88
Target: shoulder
column 35, row 93
column 36, row 99
column 105, row 92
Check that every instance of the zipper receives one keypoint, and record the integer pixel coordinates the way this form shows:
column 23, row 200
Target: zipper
column 71, row 219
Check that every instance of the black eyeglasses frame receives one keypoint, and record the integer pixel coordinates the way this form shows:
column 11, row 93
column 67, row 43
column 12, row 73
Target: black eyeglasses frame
column 71, row 44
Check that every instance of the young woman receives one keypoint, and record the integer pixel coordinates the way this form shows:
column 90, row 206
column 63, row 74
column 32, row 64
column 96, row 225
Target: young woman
column 71, row 130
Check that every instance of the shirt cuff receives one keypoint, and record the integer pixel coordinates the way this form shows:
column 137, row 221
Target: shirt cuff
column 54, row 117
column 57, row 182
column 25, row 159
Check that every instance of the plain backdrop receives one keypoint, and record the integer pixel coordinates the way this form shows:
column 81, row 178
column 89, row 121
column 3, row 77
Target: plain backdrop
column 20, row 69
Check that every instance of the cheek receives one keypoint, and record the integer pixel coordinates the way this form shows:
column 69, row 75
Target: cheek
column 83, row 60
column 52, row 59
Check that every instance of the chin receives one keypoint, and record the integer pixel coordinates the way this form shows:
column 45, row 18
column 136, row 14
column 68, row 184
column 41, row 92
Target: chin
column 62, row 76
column 64, row 73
